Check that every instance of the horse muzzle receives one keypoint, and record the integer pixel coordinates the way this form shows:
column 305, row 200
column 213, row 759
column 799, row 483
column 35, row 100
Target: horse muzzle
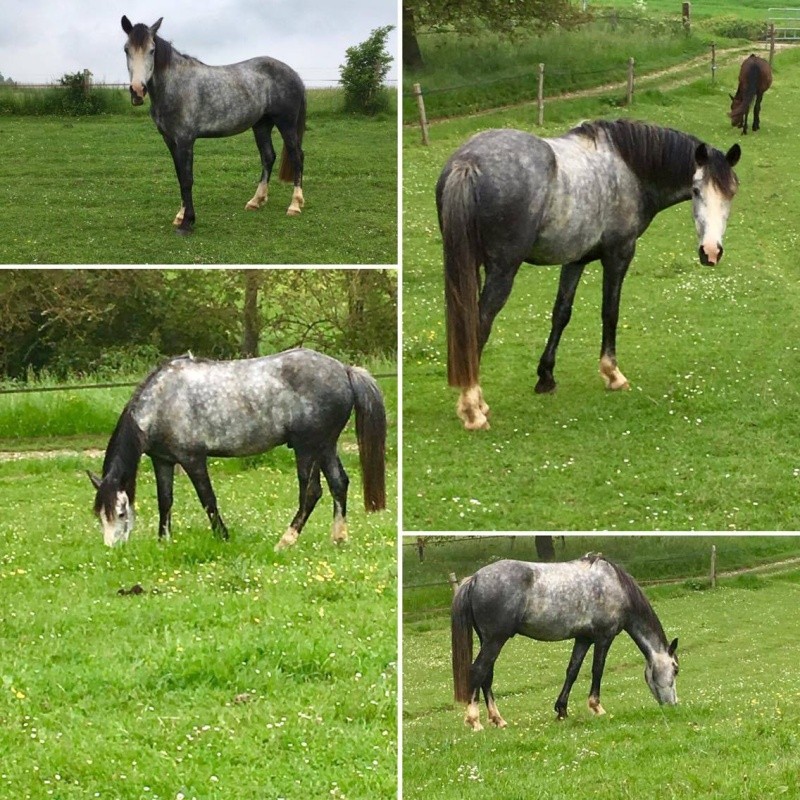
column 136, row 98
column 710, row 259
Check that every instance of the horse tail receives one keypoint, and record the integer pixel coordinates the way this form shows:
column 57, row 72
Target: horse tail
column 462, row 259
column 286, row 171
column 371, row 436
column 461, row 625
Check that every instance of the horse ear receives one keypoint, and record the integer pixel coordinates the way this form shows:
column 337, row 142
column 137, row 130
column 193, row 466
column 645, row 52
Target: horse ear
column 673, row 647
column 733, row 155
column 156, row 25
column 701, row 155
column 126, row 25
column 96, row 481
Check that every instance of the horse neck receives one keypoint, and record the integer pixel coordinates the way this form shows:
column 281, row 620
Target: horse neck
column 647, row 634
column 124, row 450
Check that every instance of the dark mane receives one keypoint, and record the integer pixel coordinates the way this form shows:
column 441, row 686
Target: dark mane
column 165, row 52
column 660, row 155
column 640, row 605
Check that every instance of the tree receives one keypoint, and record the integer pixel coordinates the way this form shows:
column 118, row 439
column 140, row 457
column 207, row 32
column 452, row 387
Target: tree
column 251, row 321
column 503, row 16
column 362, row 76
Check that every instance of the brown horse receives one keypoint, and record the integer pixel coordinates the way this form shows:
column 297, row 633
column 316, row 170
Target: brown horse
column 755, row 77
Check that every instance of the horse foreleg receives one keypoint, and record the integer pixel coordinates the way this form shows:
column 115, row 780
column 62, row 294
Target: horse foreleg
column 309, row 495
column 562, row 312
column 259, row 198
column 338, row 483
column 183, row 159
column 197, row 470
column 615, row 266
column 298, row 201
column 165, row 475
column 598, row 665
column 579, row 650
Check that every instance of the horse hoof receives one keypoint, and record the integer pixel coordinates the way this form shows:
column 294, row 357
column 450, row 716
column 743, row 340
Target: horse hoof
column 499, row 723
column 545, row 386
column 479, row 423
column 293, row 212
column 184, row 231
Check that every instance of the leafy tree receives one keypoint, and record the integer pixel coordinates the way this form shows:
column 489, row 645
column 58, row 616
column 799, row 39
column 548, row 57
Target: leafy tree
column 78, row 97
column 503, row 16
column 362, row 76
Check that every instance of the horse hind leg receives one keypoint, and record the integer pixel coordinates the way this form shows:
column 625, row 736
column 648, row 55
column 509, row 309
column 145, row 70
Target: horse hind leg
column 292, row 165
column 309, row 495
column 263, row 134
column 757, row 113
column 481, row 675
column 338, row 483
column 472, row 408
column 197, row 470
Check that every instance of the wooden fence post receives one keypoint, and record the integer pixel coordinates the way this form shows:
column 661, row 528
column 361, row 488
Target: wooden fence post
column 423, row 120
column 421, row 548
column 713, row 62
column 713, row 566
column 686, row 16
column 540, row 95
column 453, row 582
column 630, row 80
column 771, row 42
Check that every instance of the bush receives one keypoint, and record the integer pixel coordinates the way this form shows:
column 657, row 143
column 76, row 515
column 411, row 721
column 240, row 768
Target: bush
column 77, row 97
column 362, row 76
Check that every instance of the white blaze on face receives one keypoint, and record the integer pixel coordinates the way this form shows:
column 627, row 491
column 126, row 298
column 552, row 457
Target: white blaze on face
column 117, row 528
column 140, row 66
column 710, row 208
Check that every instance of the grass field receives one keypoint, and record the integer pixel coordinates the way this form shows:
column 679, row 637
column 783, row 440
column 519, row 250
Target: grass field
column 100, row 190
column 732, row 735
column 237, row 672
column 703, row 440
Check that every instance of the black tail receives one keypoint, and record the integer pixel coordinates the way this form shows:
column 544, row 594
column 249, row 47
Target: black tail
column 371, row 436
column 461, row 624
column 462, row 260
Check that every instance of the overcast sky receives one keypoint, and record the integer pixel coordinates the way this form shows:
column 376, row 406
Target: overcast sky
column 40, row 40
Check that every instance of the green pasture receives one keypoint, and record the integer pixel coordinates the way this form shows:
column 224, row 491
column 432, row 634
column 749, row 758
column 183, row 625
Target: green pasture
column 732, row 735
column 237, row 672
column 101, row 190
column 704, row 440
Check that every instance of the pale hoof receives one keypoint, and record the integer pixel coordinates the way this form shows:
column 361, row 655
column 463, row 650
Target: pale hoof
column 474, row 724
column 499, row 722
column 339, row 534
column 287, row 540
column 252, row 206
column 596, row 708
column 293, row 212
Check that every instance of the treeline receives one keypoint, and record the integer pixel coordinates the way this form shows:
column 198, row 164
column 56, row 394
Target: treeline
column 103, row 322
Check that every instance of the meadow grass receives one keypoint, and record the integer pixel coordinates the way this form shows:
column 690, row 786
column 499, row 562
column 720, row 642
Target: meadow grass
column 732, row 735
column 102, row 190
column 700, row 443
column 237, row 672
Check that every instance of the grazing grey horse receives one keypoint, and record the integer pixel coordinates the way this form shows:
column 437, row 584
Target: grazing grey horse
column 191, row 100
column 507, row 197
column 190, row 409
column 590, row 600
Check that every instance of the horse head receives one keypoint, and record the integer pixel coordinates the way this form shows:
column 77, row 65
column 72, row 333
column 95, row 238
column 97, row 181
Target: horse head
column 738, row 109
column 140, row 52
column 660, row 674
column 713, row 186
column 114, row 509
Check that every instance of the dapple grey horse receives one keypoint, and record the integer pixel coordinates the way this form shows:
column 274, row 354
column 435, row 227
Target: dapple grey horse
column 590, row 600
column 191, row 100
column 507, row 197
column 190, row 409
